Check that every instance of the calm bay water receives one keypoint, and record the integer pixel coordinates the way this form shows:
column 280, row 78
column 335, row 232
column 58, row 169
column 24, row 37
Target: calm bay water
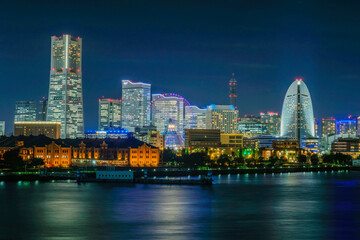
column 272, row 206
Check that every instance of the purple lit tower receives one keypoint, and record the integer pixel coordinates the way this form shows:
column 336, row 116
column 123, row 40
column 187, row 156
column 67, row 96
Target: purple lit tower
column 232, row 94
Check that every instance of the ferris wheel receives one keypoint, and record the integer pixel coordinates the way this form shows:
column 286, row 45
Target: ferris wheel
column 189, row 115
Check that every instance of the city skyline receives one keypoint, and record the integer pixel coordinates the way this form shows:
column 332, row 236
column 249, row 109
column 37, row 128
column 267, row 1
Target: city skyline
column 186, row 62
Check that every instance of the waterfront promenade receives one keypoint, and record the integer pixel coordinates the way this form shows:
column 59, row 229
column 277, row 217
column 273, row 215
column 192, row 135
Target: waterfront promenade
column 89, row 173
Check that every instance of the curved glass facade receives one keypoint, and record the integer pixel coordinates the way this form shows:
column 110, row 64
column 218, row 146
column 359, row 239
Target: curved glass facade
column 297, row 117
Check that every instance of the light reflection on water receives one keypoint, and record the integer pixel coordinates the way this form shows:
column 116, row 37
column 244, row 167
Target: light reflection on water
column 250, row 206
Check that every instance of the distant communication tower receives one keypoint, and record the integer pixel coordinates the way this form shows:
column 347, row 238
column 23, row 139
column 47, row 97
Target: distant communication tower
column 232, row 94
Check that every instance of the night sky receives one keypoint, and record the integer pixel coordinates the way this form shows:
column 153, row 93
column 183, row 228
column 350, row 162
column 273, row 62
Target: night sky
column 190, row 48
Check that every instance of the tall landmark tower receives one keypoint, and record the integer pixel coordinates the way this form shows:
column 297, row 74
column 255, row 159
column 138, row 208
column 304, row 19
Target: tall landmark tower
column 232, row 93
column 65, row 103
column 297, row 117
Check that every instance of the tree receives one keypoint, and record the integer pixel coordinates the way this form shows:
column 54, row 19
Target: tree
column 13, row 160
column 223, row 160
column 239, row 160
column 274, row 159
column 36, row 162
column 342, row 158
column 314, row 159
column 302, row 158
column 337, row 158
column 168, row 156
column 329, row 158
column 198, row 159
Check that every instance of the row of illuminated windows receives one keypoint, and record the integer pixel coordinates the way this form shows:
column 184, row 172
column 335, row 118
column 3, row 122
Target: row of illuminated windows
column 143, row 157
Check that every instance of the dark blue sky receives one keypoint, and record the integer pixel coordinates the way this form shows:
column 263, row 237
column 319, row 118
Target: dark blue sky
column 190, row 48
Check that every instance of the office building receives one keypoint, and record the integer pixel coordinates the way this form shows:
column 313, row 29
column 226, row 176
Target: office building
column 109, row 114
column 65, row 101
column 2, row 128
column 349, row 146
column 251, row 143
column 297, row 117
column 42, row 109
column 195, row 117
column 136, row 97
column 149, row 135
column 36, row 128
column 157, row 140
column 25, row 111
column 222, row 117
column 347, row 126
column 265, row 141
column 327, row 140
column 272, row 121
column 232, row 91
column 232, row 140
column 252, row 126
column 166, row 109
column 328, row 126
column 201, row 139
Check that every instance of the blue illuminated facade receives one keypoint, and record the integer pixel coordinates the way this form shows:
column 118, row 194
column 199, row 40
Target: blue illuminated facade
column 102, row 134
column 348, row 126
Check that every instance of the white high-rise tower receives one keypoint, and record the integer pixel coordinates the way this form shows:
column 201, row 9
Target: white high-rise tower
column 297, row 117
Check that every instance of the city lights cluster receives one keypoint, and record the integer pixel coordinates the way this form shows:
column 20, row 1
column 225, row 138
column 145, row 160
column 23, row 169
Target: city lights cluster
column 165, row 95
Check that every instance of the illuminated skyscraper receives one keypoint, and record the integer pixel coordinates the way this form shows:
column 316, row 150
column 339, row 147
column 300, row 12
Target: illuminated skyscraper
column 348, row 126
column 165, row 109
column 272, row 120
column 25, row 111
column 232, row 93
column 317, row 127
column 136, row 97
column 328, row 126
column 252, row 126
column 222, row 117
column 65, row 102
column 109, row 114
column 2, row 128
column 195, row 117
column 297, row 117
column 42, row 109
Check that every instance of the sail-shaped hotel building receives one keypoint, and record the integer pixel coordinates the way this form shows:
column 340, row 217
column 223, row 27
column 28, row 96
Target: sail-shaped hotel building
column 297, row 117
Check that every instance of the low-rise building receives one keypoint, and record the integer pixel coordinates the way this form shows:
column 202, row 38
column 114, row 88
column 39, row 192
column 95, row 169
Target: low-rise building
column 252, row 143
column 288, row 149
column 36, row 128
column 311, row 145
column 83, row 152
column 232, row 140
column 156, row 139
column 201, row 139
column 349, row 146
